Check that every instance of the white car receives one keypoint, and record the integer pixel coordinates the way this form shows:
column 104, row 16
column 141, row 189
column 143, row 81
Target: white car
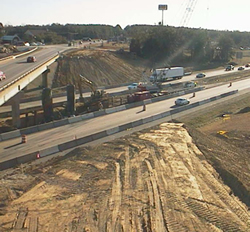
column 190, row 84
column 2, row 76
column 181, row 101
column 133, row 86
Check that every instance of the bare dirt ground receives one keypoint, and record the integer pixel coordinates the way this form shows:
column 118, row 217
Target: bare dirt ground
column 155, row 180
column 188, row 176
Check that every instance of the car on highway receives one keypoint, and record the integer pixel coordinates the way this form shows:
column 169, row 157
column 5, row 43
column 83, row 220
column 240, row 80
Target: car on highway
column 180, row 101
column 241, row 68
column 31, row 59
column 2, row 75
column 229, row 68
column 200, row 75
column 190, row 84
column 133, row 86
column 247, row 65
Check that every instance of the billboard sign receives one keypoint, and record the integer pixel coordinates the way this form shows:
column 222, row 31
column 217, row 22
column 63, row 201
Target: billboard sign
column 163, row 7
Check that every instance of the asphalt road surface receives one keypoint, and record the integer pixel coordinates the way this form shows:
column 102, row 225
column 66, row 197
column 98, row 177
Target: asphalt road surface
column 45, row 139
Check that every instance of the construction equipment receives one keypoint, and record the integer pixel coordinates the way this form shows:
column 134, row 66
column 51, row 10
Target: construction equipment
column 98, row 98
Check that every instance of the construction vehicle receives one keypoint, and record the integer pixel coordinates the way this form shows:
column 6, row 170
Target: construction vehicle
column 98, row 98
column 138, row 96
column 166, row 74
column 146, row 85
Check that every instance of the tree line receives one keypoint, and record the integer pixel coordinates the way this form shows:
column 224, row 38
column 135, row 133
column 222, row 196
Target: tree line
column 156, row 43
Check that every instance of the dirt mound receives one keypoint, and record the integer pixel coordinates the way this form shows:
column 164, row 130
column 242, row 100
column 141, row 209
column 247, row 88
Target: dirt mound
column 155, row 180
column 104, row 68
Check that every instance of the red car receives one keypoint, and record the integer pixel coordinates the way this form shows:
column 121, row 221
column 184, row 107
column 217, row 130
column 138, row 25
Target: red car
column 2, row 76
column 31, row 59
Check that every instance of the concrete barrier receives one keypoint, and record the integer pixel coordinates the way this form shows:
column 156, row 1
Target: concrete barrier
column 8, row 164
column 87, row 116
column 225, row 94
column 110, row 110
column 99, row 113
column 177, row 110
column 10, row 135
column 7, row 58
column 67, row 145
column 135, row 104
column 29, row 130
column 61, row 122
column 84, row 140
column 137, row 123
column 165, row 114
column 120, row 108
column 45, row 126
column 157, row 116
column 75, row 119
column 146, row 120
column 148, row 101
column 204, row 102
column 112, row 131
column 125, row 126
column 27, row 158
column 48, row 151
column 213, row 98
column 99, row 135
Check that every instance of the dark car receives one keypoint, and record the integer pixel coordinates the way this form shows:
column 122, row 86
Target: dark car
column 241, row 68
column 247, row 65
column 200, row 75
column 31, row 59
column 229, row 68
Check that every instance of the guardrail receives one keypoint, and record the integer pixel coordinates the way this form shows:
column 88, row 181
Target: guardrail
column 86, row 139
column 27, row 73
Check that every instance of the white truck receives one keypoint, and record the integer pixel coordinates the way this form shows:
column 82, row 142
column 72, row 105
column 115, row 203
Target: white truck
column 167, row 74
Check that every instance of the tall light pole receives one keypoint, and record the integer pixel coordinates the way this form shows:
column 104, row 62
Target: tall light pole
column 162, row 8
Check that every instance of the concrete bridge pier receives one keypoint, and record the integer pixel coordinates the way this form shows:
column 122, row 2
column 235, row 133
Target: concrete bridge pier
column 45, row 78
column 15, row 103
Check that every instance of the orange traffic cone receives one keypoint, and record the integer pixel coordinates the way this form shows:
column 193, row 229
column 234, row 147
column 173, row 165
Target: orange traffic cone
column 24, row 139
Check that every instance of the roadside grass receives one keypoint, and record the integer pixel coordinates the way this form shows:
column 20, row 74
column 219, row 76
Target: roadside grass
column 208, row 115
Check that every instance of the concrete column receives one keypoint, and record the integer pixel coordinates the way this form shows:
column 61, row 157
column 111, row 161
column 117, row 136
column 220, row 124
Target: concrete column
column 45, row 78
column 15, row 103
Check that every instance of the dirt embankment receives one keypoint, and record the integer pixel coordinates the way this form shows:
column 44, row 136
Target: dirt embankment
column 155, row 180
column 104, row 68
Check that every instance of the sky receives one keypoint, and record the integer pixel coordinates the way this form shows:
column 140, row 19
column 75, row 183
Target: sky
column 207, row 14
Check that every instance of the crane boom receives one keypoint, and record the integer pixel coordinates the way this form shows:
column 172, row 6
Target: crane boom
column 188, row 13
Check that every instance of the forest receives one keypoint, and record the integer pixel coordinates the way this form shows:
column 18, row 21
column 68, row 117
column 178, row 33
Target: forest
column 156, row 43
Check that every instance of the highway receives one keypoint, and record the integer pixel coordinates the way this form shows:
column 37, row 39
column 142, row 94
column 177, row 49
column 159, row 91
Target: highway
column 14, row 68
column 45, row 139
column 31, row 104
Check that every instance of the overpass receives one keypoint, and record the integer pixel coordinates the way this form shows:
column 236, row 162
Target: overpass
column 12, row 90
column 20, row 74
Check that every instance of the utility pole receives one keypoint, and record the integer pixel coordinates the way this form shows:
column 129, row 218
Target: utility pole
column 162, row 8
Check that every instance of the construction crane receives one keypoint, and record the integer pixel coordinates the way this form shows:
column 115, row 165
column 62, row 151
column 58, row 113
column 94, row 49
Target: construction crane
column 188, row 12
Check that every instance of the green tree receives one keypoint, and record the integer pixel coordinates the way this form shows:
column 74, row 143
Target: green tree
column 225, row 45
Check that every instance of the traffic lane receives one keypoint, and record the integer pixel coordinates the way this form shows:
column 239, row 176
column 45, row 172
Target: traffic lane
column 14, row 68
column 214, row 73
column 45, row 139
